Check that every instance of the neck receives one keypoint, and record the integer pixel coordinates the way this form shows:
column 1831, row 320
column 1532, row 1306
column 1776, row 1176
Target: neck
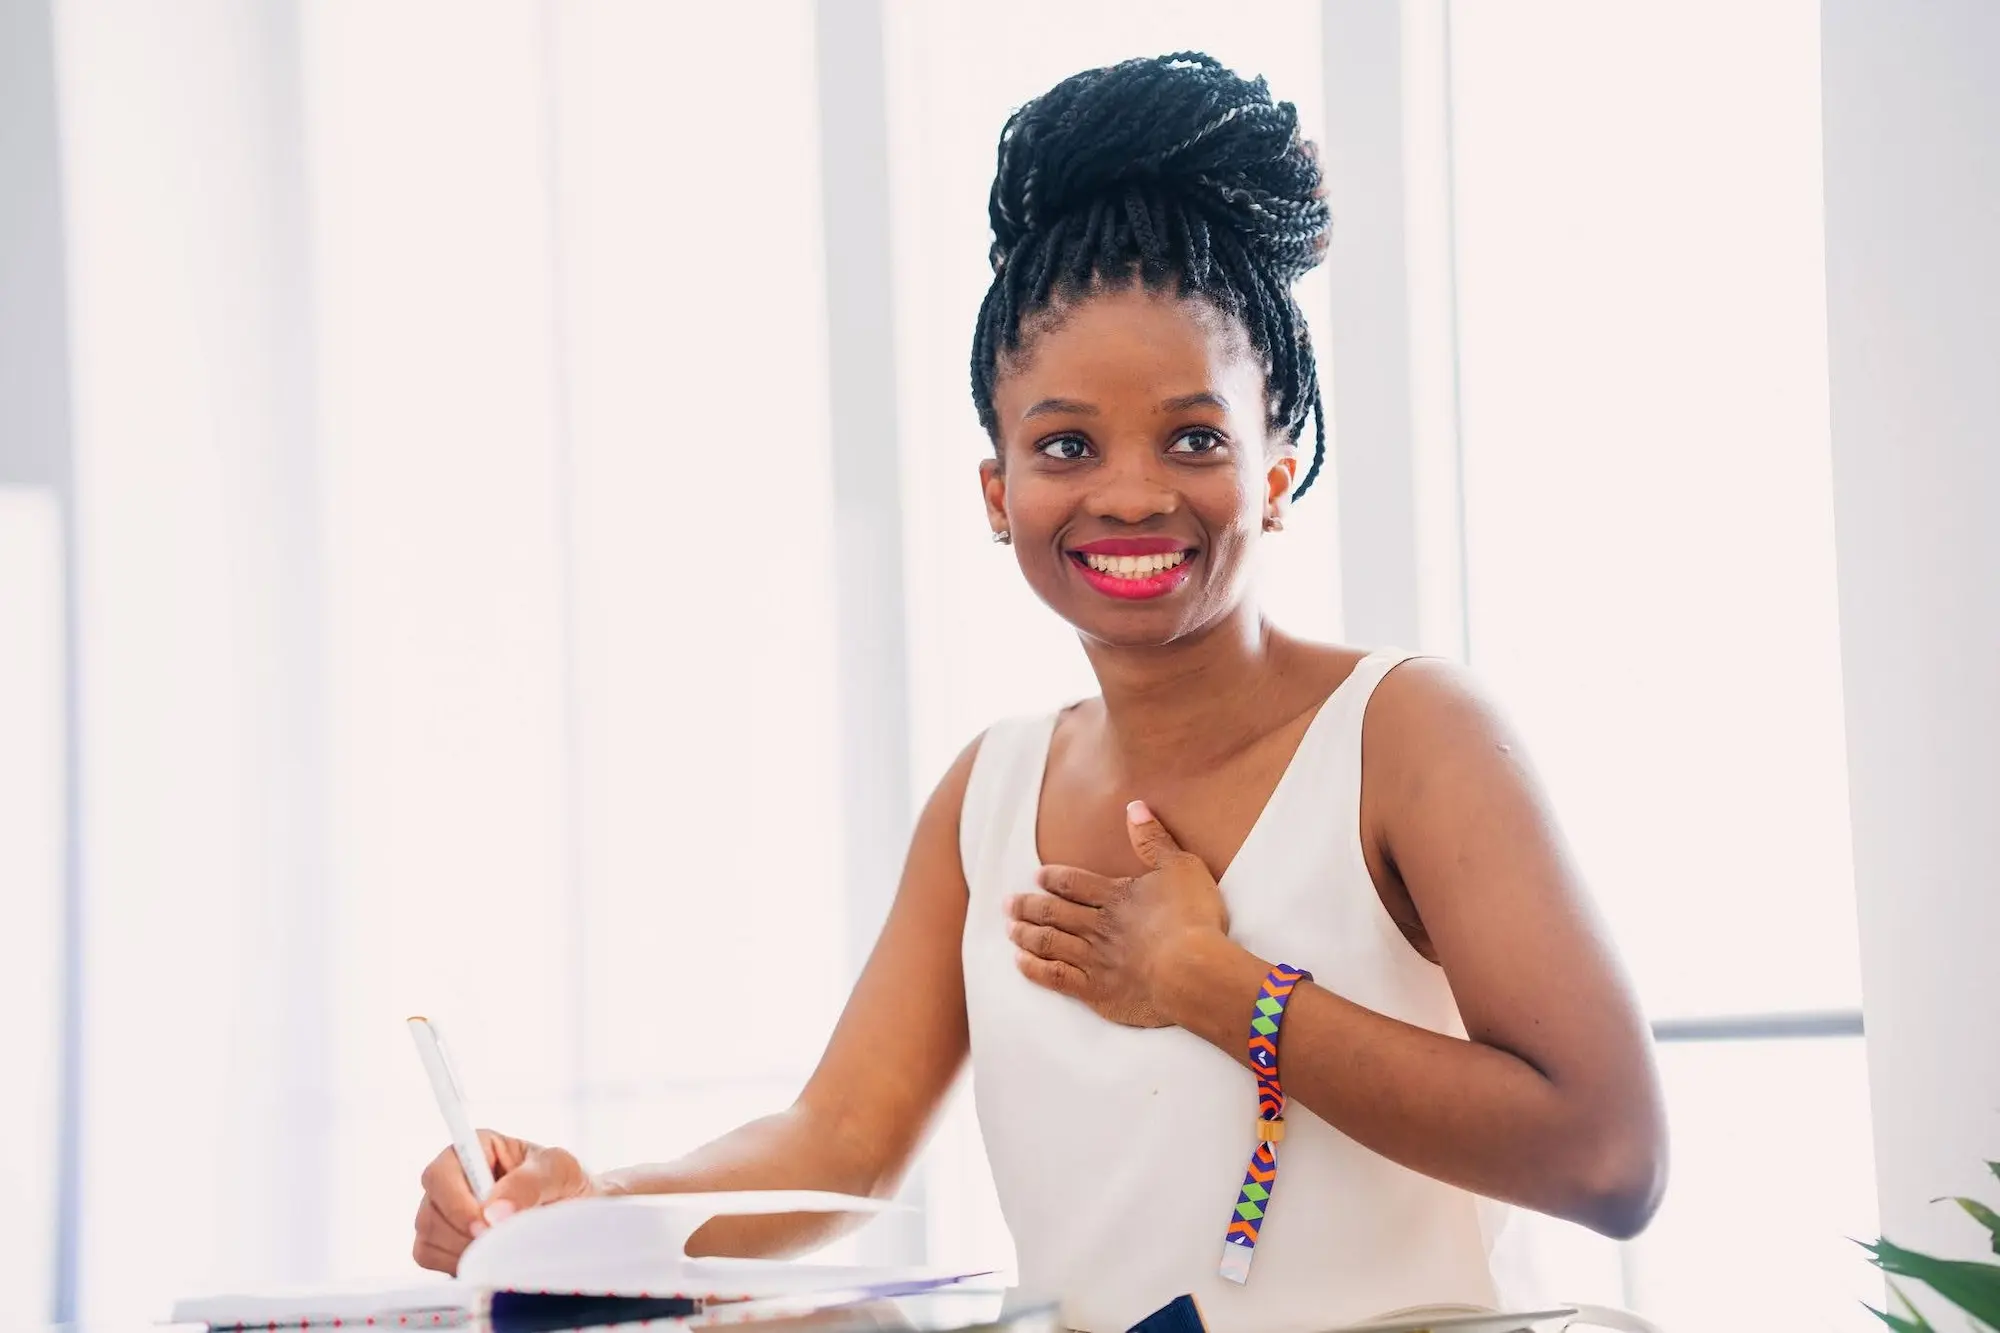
column 1193, row 702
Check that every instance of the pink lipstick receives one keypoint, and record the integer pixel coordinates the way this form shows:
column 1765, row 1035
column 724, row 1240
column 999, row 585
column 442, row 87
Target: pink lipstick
column 1134, row 568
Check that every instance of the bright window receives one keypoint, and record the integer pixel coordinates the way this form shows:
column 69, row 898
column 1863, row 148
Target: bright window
column 1650, row 574
column 578, row 521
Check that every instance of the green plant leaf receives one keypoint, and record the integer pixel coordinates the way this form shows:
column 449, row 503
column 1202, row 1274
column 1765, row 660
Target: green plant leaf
column 1915, row 1323
column 1897, row 1322
column 1981, row 1214
column 1972, row 1287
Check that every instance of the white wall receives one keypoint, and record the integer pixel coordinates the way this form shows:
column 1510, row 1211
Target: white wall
column 1913, row 281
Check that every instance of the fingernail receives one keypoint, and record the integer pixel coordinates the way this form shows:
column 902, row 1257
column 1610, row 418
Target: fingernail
column 1138, row 813
column 478, row 1228
column 498, row 1211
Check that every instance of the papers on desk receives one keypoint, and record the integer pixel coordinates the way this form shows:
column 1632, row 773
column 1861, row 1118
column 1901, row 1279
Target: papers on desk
column 628, row 1250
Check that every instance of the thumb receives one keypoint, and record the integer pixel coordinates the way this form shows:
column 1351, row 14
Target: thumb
column 544, row 1176
column 1149, row 836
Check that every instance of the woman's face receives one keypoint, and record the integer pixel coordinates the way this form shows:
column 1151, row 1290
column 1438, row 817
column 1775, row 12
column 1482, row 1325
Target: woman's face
column 1135, row 469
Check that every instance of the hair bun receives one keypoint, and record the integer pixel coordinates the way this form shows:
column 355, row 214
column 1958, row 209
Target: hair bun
column 1182, row 125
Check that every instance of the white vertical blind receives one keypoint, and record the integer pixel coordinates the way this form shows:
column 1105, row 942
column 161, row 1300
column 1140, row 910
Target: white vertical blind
column 182, row 207
column 31, row 885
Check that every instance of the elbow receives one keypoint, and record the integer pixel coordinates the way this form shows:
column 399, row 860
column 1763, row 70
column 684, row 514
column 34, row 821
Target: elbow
column 1621, row 1191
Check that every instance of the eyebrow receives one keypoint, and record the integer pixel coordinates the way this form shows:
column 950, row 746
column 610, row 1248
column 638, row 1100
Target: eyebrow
column 1202, row 399
column 1050, row 407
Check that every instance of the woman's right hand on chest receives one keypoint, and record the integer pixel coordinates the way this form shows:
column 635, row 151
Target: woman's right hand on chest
column 525, row 1175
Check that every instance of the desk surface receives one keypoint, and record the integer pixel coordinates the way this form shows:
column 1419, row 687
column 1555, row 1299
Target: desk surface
column 932, row 1312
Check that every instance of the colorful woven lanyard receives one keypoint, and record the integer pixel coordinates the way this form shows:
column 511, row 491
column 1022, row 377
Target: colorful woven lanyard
column 1239, row 1244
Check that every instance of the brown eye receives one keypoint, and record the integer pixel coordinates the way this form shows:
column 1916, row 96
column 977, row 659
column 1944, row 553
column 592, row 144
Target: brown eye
column 1200, row 440
column 1067, row 448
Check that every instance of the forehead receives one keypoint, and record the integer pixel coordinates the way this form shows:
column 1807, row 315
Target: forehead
column 1128, row 342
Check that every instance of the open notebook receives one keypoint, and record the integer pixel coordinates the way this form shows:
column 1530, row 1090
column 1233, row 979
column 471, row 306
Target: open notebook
column 623, row 1249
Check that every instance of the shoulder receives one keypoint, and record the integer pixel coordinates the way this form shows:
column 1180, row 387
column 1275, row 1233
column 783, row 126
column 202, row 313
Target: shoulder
column 1436, row 743
column 1423, row 703
column 1001, row 745
column 948, row 796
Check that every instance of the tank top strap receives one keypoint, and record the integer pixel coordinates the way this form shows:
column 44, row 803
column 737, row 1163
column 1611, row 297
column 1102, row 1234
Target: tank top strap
column 1328, row 762
column 1350, row 701
column 1002, row 794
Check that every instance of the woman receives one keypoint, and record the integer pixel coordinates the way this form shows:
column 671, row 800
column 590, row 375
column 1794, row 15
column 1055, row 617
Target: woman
column 1098, row 903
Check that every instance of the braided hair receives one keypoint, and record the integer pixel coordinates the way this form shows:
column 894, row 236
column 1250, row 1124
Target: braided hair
column 1171, row 169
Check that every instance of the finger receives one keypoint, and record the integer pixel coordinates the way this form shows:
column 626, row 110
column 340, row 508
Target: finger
column 1150, row 838
column 1079, row 886
column 1048, row 942
column 435, row 1257
column 1045, row 909
column 433, row 1225
column 446, row 1187
column 1051, row 974
column 504, row 1152
column 544, row 1175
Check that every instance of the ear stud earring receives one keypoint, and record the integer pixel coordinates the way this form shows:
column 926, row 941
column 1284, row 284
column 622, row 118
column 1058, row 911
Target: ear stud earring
column 1003, row 538
column 1272, row 523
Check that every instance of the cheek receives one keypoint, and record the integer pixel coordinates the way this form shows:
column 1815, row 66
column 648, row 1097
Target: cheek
column 1033, row 503
column 1230, row 502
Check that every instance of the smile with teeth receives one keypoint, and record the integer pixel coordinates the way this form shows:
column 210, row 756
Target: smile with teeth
column 1132, row 566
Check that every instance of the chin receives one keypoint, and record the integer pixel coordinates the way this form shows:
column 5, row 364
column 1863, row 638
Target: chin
column 1139, row 624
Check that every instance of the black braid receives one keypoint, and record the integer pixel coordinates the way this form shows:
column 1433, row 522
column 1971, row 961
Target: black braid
column 1168, row 169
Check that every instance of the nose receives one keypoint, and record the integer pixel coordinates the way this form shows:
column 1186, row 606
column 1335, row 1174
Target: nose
column 1132, row 489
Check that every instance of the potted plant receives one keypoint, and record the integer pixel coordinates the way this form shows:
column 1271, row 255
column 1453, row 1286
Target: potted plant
column 1971, row 1286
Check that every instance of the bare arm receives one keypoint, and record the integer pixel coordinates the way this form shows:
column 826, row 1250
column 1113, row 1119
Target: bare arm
column 1554, row 1101
column 855, row 1127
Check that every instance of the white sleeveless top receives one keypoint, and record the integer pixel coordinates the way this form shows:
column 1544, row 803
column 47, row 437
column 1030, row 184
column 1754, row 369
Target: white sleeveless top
column 1118, row 1152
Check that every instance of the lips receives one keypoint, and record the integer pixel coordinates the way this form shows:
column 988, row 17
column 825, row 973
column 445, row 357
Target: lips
column 1134, row 568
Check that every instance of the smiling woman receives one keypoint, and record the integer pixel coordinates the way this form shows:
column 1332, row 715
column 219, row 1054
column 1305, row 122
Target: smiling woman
column 1120, row 412
column 1125, row 912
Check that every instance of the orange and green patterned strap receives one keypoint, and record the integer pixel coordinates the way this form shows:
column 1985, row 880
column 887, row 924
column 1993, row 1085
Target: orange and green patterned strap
column 1239, row 1243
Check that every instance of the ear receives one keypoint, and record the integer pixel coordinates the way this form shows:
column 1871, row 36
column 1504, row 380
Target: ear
column 993, row 482
column 1278, row 480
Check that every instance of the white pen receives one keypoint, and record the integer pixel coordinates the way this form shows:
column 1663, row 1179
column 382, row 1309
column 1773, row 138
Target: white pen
column 451, row 1105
